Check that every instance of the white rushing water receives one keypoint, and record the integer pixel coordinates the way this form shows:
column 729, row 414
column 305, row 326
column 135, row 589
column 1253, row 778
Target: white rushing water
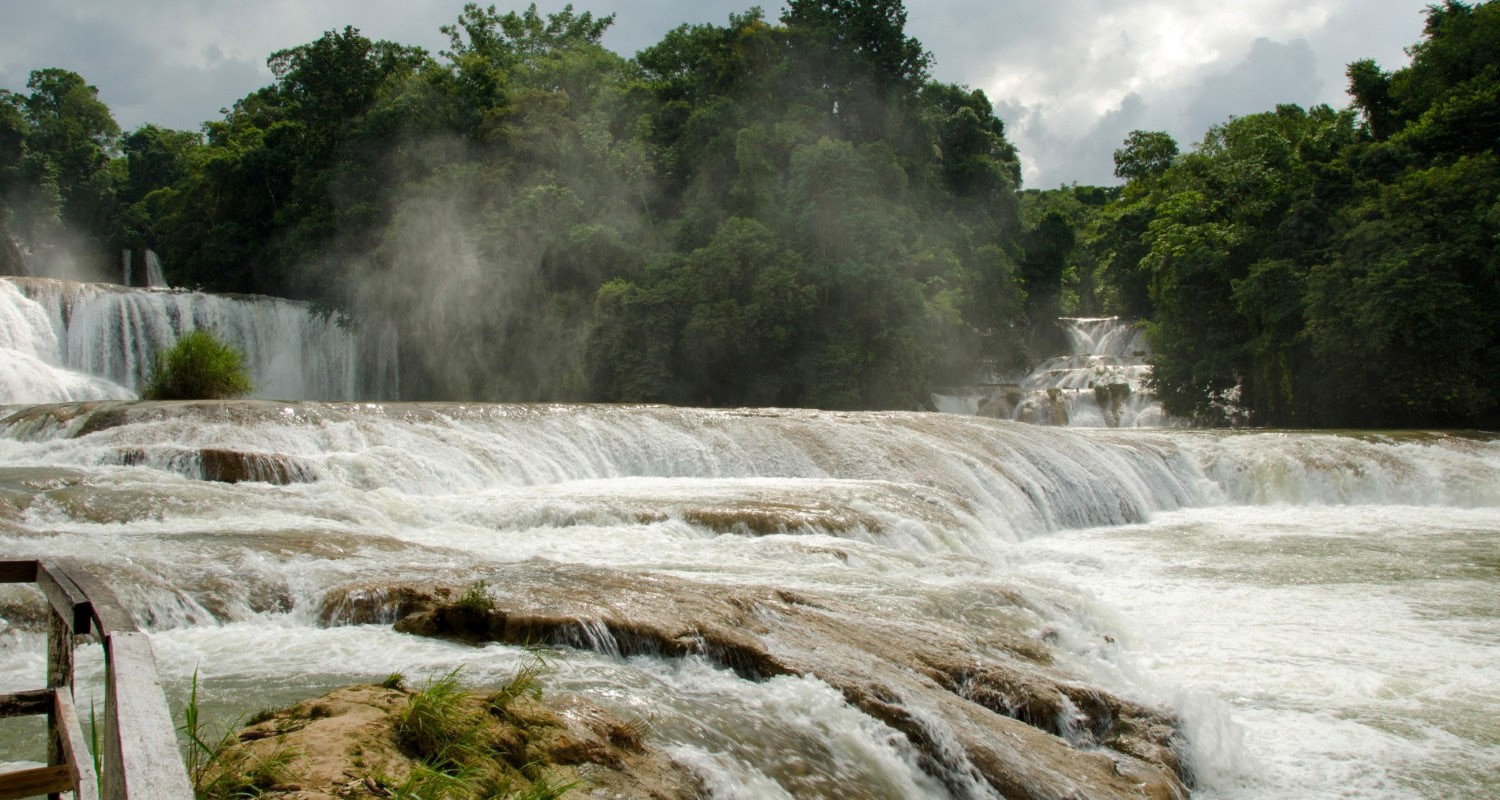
column 1101, row 382
column 63, row 341
column 1319, row 610
column 155, row 278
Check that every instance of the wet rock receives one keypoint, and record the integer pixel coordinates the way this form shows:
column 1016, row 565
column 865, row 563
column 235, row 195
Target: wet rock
column 220, row 464
column 1111, row 398
column 1046, row 407
column 22, row 608
column 766, row 518
column 1004, row 404
column 1020, row 726
column 359, row 605
column 235, row 466
column 348, row 745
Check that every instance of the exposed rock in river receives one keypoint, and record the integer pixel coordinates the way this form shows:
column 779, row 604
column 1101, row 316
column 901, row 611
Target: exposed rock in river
column 1019, row 726
column 234, row 466
column 352, row 744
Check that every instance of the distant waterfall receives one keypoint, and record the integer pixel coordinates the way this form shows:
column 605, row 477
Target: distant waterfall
column 1099, row 383
column 154, row 277
column 63, row 341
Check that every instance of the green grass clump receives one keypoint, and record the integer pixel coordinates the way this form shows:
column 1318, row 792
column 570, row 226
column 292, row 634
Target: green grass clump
column 427, row 783
column 221, row 771
column 198, row 367
column 459, row 741
column 526, row 682
column 438, row 726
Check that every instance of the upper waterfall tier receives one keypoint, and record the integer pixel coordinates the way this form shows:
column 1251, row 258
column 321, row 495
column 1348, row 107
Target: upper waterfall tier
column 64, row 341
column 1101, row 382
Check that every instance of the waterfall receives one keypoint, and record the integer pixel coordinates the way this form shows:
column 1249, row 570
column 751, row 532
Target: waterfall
column 73, row 341
column 1099, row 383
column 154, row 277
column 31, row 363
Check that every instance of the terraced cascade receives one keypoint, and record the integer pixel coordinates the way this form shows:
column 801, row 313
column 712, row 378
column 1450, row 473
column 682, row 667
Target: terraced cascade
column 787, row 603
column 1101, row 382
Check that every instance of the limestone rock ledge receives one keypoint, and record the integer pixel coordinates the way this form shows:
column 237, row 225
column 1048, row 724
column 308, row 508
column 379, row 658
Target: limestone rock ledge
column 1023, row 728
column 347, row 745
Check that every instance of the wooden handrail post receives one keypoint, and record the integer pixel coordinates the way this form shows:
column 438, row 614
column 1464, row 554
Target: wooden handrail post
column 69, row 609
column 59, row 680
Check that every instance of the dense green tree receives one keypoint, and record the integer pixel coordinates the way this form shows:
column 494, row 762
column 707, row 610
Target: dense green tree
column 73, row 130
column 56, row 187
column 1145, row 154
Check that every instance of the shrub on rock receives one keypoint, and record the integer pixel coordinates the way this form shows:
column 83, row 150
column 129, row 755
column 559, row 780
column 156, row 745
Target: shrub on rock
column 198, row 367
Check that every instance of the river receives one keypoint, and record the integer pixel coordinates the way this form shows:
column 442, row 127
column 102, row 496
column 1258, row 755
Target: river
column 1317, row 612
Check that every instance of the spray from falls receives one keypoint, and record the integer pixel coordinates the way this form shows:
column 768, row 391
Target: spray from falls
column 66, row 341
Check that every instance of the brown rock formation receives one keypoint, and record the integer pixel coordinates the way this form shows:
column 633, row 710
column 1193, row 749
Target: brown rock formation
column 348, row 745
column 1021, row 727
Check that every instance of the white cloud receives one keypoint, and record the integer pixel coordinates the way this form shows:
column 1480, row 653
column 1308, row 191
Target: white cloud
column 1069, row 79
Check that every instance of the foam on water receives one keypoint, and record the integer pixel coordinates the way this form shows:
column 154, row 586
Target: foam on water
column 1318, row 608
column 1320, row 653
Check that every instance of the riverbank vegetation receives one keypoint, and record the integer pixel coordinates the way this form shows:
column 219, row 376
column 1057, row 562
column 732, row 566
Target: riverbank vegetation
column 1316, row 267
column 793, row 212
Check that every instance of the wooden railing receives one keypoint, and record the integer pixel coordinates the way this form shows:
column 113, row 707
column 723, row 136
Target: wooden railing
column 140, row 759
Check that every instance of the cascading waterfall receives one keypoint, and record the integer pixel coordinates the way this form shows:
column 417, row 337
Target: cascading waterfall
column 1315, row 610
column 155, row 279
column 1099, row 383
column 77, row 341
column 31, row 359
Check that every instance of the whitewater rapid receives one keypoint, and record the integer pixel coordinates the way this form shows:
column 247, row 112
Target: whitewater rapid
column 1318, row 610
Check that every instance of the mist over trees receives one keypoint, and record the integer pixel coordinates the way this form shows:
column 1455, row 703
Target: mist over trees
column 791, row 211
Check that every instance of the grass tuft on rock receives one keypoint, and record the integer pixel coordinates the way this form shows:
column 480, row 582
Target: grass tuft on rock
column 471, row 747
column 218, row 768
column 438, row 725
column 198, row 367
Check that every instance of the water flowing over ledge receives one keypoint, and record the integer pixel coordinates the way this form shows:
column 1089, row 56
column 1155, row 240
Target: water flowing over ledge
column 233, row 529
column 1100, row 382
column 65, row 341
column 992, row 475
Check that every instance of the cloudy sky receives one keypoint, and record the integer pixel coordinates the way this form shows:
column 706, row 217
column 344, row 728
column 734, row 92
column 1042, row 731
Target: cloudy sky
column 1070, row 77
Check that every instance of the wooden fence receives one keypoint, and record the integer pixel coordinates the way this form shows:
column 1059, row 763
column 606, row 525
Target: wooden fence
column 139, row 758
